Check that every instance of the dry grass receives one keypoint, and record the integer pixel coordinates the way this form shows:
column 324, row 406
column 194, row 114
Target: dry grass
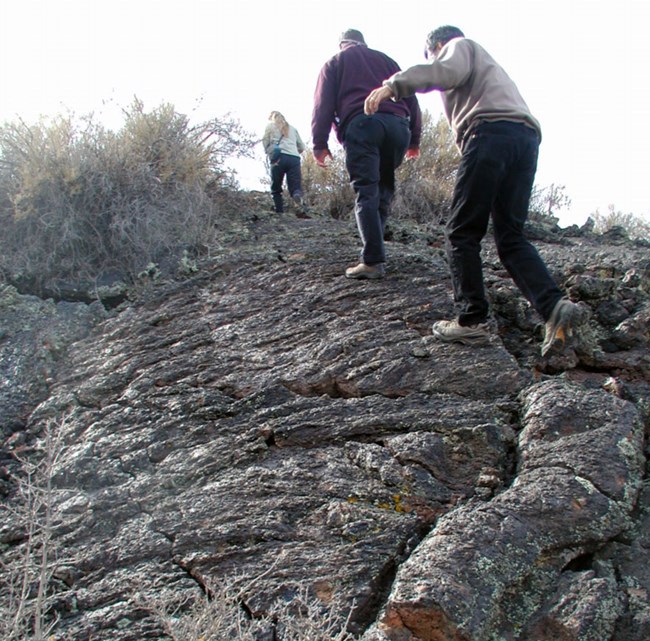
column 223, row 615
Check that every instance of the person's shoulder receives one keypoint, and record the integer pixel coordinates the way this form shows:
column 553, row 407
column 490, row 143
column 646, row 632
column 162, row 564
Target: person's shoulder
column 461, row 47
column 331, row 63
column 472, row 48
column 383, row 56
column 338, row 56
column 464, row 43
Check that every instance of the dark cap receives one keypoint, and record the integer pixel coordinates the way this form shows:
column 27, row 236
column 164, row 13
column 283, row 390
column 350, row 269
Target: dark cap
column 352, row 35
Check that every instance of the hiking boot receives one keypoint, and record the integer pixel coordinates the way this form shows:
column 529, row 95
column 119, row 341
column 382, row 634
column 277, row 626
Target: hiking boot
column 363, row 271
column 451, row 332
column 301, row 208
column 559, row 326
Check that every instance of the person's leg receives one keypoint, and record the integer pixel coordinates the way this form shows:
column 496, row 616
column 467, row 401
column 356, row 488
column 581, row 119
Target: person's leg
column 277, row 177
column 294, row 184
column 294, row 177
column 363, row 138
column 517, row 254
column 479, row 174
column 392, row 152
column 520, row 257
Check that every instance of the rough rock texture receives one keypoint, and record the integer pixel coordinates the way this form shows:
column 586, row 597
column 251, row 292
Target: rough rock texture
column 34, row 335
column 272, row 420
column 471, row 577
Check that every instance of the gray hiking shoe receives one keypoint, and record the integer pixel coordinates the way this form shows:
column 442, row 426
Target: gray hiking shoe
column 363, row 271
column 559, row 327
column 451, row 332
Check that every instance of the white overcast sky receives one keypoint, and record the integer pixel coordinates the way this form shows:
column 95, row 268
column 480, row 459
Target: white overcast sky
column 581, row 65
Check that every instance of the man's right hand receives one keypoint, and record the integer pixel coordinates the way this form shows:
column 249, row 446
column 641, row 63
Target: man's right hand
column 375, row 97
column 321, row 155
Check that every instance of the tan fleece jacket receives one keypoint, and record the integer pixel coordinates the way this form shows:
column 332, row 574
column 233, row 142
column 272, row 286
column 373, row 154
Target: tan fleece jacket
column 474, row 87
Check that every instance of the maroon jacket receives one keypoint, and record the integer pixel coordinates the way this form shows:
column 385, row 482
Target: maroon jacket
column 343, row 85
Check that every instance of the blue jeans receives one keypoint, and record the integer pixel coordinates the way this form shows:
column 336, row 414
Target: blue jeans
column 288, row 166
column 374, row 148
column 495, row 177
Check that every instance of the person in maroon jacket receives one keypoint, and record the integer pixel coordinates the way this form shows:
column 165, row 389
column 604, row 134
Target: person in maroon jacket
column 374, row 145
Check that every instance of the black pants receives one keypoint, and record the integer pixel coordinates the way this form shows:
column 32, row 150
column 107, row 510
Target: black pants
column 288, row 166
column 374, row 148
column 495, row 177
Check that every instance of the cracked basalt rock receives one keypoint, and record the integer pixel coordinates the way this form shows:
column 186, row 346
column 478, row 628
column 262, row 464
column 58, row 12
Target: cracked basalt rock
column 270, row 419
column 468, row 579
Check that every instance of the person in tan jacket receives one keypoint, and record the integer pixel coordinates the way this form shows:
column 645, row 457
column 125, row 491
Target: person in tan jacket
column 499, row 142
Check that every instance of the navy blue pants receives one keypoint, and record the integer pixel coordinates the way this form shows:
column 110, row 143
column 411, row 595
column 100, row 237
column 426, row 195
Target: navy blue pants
column 288, row 166
column 495, row 177
column 374, row 148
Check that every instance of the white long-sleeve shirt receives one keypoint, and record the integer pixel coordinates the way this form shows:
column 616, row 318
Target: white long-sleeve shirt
column 290, row 144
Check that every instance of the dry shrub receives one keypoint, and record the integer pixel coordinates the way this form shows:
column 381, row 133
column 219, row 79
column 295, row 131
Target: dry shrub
column 627, row 225
column 31, row 562
column 223, row 615
column 328, row 190
column 77, row 199
column 424, row 186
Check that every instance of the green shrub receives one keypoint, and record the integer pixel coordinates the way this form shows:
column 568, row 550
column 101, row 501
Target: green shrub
column 77, row 199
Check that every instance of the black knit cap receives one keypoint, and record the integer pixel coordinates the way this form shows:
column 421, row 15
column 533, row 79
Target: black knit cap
column 353, row 35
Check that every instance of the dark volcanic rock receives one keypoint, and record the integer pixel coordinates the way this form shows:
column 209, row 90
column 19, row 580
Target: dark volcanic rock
column 34, row 335
column 271, row 421
column 472, row 576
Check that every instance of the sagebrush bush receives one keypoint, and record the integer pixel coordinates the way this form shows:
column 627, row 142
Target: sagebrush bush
column 328, row 190
column 633, row 226
column 424, row 186
column 77, row 199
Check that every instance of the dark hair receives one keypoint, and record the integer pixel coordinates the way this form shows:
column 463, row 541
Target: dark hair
column 352, row 34
column 443, row 35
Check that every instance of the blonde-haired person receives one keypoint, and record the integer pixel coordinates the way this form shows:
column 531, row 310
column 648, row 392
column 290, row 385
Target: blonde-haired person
column 279, row 132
